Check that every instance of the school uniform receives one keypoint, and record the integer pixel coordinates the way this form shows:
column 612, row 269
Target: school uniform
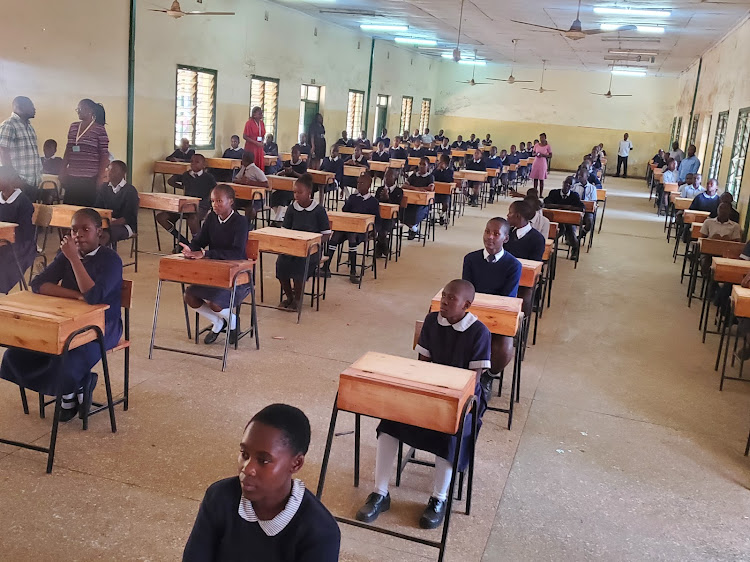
column 473, row 143
column 41, row 372
column 335, row 166
column 52, row 165
column 414, row 138
column 311, row 219
column 439, row 138
column 345, row 142
column 234, row 153
column 459, row 145
column 712, row 228
column 493, row 162
column 512, row 158
column 283, row 198
column 364, row 204
column 414, row 214
column 443, row 150
column 225, row 240
column 226, row 175
column 351, row 181
column 476, row 165
column 200, row 185
column 252, row 173
column 486, row 142
column 417, row 152
column 525, row 243
column 398, row 153
column 380, row 156
column 395, row 195
column 385, row 140
column 364, row 143
column 688, row 191
column 557, row 198
column 304, row 148
column 498, row 274
column 271, row 149
column 443, row 176
column 18, row 209
column 227, row 528
column 182, row 156
column 541, row 224
column 464, row 345
column 123, row 200
column 704, row 202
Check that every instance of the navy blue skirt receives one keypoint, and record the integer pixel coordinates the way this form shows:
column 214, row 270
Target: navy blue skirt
column 218, row 296
column 281, row 198
column 292, row 267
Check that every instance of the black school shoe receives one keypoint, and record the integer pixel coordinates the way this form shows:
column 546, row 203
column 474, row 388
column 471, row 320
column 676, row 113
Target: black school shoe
column 374, row 506
column 412, row 235
column 433, row 514
column 212, row 336
column 88, row 395
column 67, row 414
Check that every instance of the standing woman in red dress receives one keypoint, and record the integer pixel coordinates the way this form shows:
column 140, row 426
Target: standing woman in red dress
column 255, row 132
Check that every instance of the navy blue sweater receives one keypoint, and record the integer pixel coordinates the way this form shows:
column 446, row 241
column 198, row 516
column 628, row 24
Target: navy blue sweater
column 530, row 247
column 703, row 202
column 124, row 203
column 500, row 278
column 358, row 204
column 224, row 241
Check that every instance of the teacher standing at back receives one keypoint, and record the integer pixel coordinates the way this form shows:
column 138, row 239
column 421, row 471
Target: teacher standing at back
column 254, row 133
column 86, row 155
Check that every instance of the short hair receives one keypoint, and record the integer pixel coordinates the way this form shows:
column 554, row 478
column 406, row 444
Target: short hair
column 503, row 223
column 305, row 180
column 90, row 213
column 256, row 108
column 297, row 147
column 445, row 158
column 248, row 156
column 200, row 157
column 290, row 421
column 533, row 202
column 235, row 137
column 424, row 160
column 225, row 189
column 524, row 209
column 464, row 286
column 50, row 143
column 726, row 195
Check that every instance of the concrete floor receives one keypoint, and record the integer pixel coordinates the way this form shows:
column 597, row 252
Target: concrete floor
column 622, row 447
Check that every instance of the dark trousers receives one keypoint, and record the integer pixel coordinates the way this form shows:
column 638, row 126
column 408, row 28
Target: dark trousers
column 79, row 191
column 571, row 236
column 622, row 162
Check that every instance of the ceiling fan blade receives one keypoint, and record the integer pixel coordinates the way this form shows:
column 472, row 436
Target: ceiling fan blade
column 597, row 94
column 531, row 89
column 162, row 11
column 540, row 26
column 499, row 79
column 522, row 81
column 622, row 95
column 208, row 13
column 546, row 90
column 599, row 31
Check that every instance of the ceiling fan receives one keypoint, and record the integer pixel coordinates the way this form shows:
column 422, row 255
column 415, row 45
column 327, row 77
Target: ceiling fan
column 176, row 12
column 541, row 89
column 457, row 50
column 609, row 93
column 511, row 79
column 576, row 32
column 472, row 82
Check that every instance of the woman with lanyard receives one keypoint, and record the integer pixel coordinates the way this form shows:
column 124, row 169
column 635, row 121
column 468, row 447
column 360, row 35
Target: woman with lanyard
column 317, row 137
column 86, row 155
column 254, row 133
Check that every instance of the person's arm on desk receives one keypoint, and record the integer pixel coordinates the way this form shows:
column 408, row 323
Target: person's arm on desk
column 746, row 281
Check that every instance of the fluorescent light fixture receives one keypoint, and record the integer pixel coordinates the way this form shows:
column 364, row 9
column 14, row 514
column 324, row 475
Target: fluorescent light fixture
column 473, row 62
column 447, row 55
column 632, row 12
column 624, row 72
column 374, row 27
column 633, row 52
column 611, row 26
column 415, row 41
column 639, row 28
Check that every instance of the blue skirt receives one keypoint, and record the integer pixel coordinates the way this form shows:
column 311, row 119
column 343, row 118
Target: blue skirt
column 292, row 267
column 218, row 296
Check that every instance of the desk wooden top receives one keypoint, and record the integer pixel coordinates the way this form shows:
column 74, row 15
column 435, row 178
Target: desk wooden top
column 396, row 163
column 167, row 167
column 695, row 216
column 410, row 391
column 281, row 183
column 414, row 197
column 350, row 222
column 377, row 166
column 681, row 203
column 248, row 192
column 561, row 216
column 285, row 241
column 741, row 301
column 223, row 163
column 8, row 231
column 346, row 149
column 720, row 248
column 213, row 273
column 62, row 215
column 287, row 157
column 671, row 188
column 727, row 270
column 269, row 160
column 530, row 272
column 168, row 202
column 388, row 210
column 492, row 172
column 501, row 315
column 354, row 171
column 43, row 323
column 320, row 177
column 444, row 188
column 601, row 194
column 553, row 228
column 474, row 175
column 549, row 247
column 590, row 206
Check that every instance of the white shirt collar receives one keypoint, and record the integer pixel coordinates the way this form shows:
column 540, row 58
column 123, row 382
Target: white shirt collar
column 423, row 175
column 277, row 524
column 714, row 196
column 366, row 196
column 381, row 152
column 521, row 232
column 118, row 187
column 196, row 174
column 226, row 219
column 460, row 326
column 297, row 163
column 299, row 207
column 13, row 197
column 93, row 252
column 390, row 188
column 335, row 159
column 497, row 256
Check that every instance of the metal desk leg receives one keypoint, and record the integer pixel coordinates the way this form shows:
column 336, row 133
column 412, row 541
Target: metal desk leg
column 156, row 315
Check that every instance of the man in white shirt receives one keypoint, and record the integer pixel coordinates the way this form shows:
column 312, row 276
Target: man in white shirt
column 676, row 153
column 622, row 156
column 427, row 138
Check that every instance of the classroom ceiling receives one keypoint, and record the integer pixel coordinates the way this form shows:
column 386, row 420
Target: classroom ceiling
column 692, row 27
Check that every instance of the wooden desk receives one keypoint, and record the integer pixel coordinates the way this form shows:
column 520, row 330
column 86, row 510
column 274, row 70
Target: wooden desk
column 530, row 272
column 396, row 163
column 285, row 241
column 8, row 231
column 444, row 188
column 388, row 211
column 322, row 178
column 501, row 315
column 589, row 206
column 414, row 197
column 474, row 175
column 741, row 301
column 269, row 160
column 601, row 195
column 249, row 192
column 377, row 166
column 62, row 215
column 727, row 270
column 167, row 167
column 404, row 390
column 413, row 160
column 562, row 216
column 695, row 230
column 671, row 188
column 695, row 216
column 553, row 228
column 223, row 163
column 169, row 202
column 548, row 248
column 354, row 171
column 351, row 222
column 348, row 150
column 681, row 203
column 287, row 157
column 281, row 183
column 720, row 248
column 493, row 172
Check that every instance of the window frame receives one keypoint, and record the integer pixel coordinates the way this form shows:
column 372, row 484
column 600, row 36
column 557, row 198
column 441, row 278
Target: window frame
column 678, row 130
column 354, row 133
column 404, row 123
column 693, row 132
column 262, row 106
column 671, row 135
column 425, row 124
column 717, row 151
column 740, row 147
column 197, row 69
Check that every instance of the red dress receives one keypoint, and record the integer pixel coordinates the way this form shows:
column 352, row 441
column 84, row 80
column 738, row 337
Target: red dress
column 256, row 131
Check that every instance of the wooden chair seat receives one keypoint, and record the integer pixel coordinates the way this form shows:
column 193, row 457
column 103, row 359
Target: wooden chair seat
column 122, row 344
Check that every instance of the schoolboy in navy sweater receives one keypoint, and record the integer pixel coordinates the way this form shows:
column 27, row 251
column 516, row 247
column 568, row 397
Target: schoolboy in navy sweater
column 567, row 200
column 265, row 514
column 397, row 151
column 444, row 174
column 496, row 272
column 391, row 193
column 524, row 242
column 122, row 198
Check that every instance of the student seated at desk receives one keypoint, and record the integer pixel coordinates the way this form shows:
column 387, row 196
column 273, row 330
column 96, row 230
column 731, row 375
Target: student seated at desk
column 304, row 147
column 265, row 514
column 473, row 142
column 444, row 147
column 568, row 200
column 122, row 198
column 250, row 174
column 416, row 151
column 524, row 242
column 360, row 161
column 15, row 207
column 182, row 154
column 295, row 168
column 235, row 151
column 660, row 159
column 494, row 271
column 51, row 164
column 222, row 237
column 719, row 228
column 383, row 138
column 691, row 187
column 415, row 137
column 363, row 141
column 304, row 214
column 487, row 141
column 334, row 164
column 539, row 222
column 440, row 136
column 727, row 197
column 670, row 176
column 391, row 193
column 452, row 337
column 420, row 180
column 379, row 155
column 270, row 148
column 444, row 174
column 397, row 151
column 495, row 162
column 427, row 138
column 362, row 202
column 586, row 192
column 345, row 140
column 708, row 200
column 198, row 183
column 82, row 270
column 477, row 164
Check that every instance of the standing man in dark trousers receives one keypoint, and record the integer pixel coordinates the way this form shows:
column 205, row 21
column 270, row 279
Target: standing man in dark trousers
column 18, row 146
column 622, row 156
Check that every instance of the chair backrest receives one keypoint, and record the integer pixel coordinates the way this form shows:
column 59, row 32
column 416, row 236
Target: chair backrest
column 417, row 332
column 553, row 230
column 251, row 249
column 126, row 293
column 42, row 215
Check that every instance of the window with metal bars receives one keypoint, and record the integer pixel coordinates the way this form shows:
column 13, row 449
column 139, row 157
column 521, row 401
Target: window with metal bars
column 719, row 136
column 739, row 151
column 693, row 130
column 354, row 109
column 678, row 129
column 264, row 93
column 424, row 116
column 195, row 107
column 672, row 137
column 406, row 105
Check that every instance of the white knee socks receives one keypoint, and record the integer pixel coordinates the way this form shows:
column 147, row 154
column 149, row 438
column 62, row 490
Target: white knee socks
column 213, row 317
column 442, row 478
column 231, row 320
